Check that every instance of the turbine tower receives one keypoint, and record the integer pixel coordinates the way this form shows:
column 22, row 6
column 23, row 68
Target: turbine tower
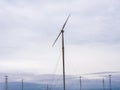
column 63, row 50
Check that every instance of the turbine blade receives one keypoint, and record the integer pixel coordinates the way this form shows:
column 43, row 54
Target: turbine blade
column 56, row 39
column 61, row 30
column 65, row 22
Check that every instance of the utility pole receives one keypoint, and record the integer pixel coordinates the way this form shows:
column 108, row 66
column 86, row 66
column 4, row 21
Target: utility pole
column 110, row 82
column 22, row 83
column 47, row 86
column 103, row 84
column 80, row 83
column 6, row 82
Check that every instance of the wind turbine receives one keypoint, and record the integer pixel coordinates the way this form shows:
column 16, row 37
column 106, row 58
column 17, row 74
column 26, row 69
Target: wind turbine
column 63, row 50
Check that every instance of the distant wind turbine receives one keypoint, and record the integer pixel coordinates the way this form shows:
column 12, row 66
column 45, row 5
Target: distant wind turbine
column 63, row 54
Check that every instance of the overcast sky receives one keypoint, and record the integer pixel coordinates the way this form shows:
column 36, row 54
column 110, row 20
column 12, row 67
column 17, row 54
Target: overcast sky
column 28, row 29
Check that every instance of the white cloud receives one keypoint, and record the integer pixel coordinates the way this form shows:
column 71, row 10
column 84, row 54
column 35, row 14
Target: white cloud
column 27, row 29
column 93, row 58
